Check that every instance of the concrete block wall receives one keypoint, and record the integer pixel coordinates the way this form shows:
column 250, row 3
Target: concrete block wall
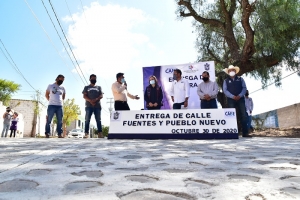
column 289, row 116
column 285, row 117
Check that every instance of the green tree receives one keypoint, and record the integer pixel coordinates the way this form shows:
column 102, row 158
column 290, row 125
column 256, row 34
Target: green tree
column 71, row 112
column 258, row 36
column 105, row 130
column 7, row 88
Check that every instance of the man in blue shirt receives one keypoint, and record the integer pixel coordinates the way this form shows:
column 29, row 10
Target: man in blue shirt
column 234, row 88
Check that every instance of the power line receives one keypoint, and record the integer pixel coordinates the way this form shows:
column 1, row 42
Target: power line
column 275, row 82
column 83, row 11
column 37, row 19
column 16, row 67
column 62, row 42
column 66, row 39
column 87, row 23
column 69, row 11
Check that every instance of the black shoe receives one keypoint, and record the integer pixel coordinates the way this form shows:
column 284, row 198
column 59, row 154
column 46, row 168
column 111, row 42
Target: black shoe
column 47, row 135
column 60, row 136
column 249, row 136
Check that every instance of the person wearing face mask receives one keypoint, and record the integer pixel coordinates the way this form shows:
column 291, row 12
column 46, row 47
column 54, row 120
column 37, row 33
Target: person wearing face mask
column 92, row 95
column 249, row 109
column 118, row 89
column 7, row 116
column 180, row 90
column 153, row 94
column 234, row 88
column 207, row 91
column 55, row 94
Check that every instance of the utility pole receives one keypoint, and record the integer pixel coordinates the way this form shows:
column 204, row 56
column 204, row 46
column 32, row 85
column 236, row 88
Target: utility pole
column 110, row 106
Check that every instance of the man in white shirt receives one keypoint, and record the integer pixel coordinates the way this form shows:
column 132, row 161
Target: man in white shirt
column 118, row 89
column 55, row 94
column 207, row 91
column 180, row 90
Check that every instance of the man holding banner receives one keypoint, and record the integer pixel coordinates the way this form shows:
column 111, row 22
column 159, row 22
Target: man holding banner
column 180, row 90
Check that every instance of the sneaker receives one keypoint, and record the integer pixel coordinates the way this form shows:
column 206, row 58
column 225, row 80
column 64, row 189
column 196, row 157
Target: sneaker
column 100, row 135
column 86, row 135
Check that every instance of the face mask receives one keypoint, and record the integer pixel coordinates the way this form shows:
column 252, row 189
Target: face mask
column 247, row 94
column 122, row 80
column 232, row 73
column 7, row 110
column 59, row 82
column 205, row 79
column 152, row 82
column 174, row 77
column 93, row 81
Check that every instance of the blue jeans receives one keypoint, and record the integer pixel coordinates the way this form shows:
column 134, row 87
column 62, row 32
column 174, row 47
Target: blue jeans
column 240, row 105
column 88, row 114
column 249, row 122
column 58, row 111
column 5, row 130
column 177, row 105
column 209, row 104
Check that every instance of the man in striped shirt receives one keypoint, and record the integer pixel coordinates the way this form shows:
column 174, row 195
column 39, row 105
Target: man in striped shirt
column 207, row 91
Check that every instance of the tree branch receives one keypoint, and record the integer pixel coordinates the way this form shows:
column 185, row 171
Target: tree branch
column 248, row 49
column 211, row 22
column 232, row 7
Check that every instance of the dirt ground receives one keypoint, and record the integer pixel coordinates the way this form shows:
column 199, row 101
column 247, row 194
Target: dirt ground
column 292, row 132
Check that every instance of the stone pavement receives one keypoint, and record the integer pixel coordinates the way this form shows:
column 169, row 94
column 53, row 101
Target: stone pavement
column 251, row 169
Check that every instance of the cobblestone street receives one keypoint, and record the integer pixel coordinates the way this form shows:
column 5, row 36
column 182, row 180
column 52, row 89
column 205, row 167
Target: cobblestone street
column 256, row 168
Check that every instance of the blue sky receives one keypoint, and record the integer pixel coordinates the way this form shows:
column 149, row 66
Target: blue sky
column 107, row 38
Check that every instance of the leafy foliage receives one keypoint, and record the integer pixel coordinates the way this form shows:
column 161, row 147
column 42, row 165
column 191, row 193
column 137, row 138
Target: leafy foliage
column 71, row 112
column 258, row 36
column 7, row 88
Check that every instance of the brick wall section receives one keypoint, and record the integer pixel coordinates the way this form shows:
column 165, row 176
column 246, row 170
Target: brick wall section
column 289, row 116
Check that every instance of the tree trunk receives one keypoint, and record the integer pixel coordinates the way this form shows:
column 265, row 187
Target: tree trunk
column 64, row 129
column 34, row 122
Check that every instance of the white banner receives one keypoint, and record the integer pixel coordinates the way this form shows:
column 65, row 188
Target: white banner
column 197, row 121
column 192, row 72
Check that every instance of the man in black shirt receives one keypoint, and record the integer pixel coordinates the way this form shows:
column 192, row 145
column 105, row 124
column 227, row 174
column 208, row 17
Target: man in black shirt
column 92, row 95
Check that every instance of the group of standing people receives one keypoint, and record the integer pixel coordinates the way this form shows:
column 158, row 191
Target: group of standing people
column 56, row 94
column 234, row 87
column 10, row 121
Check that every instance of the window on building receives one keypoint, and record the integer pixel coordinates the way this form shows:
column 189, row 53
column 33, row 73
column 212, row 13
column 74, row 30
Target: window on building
column 79, row 123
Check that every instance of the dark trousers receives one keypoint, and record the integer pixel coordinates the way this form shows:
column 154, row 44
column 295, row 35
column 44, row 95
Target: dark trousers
column 121, row 105
column 153, row 108
column 208, row 104
column 88, row 114
column 11, row 132
column 177, row 105
column 240, row 105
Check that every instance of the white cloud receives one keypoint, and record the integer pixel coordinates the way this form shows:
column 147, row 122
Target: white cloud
column 104, row 39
